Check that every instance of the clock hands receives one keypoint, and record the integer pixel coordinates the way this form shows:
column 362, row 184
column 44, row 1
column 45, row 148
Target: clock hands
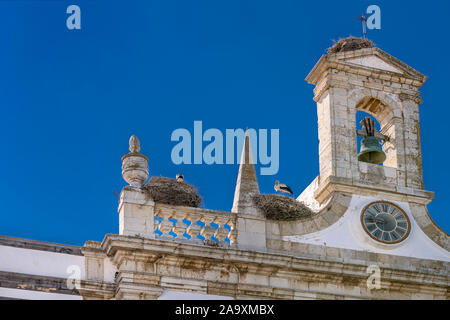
column 375, row 219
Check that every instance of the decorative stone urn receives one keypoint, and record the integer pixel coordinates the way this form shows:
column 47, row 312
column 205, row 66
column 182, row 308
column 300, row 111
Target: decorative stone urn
column 135, row 165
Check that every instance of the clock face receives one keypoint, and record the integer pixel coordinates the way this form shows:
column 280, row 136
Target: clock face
column 385, row 222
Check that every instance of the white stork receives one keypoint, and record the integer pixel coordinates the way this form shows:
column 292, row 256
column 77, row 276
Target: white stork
column 283, row 188
column 180, row 177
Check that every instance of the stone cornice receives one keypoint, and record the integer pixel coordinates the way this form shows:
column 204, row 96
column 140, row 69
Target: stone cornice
column 92, row 248
column 260, row 261
column 413, row 97
column 31, row 282
column 90, row 289
column 326, row 62
column 338, row 184
column 148, row 266
column 40, row 245
column 383, row 55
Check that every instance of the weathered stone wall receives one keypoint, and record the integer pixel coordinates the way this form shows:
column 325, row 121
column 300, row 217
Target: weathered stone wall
column 147, row 267
column 341, row 89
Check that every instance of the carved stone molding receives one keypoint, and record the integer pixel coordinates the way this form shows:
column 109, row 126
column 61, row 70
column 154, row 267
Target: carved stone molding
column 148, row 266
column 413, row 97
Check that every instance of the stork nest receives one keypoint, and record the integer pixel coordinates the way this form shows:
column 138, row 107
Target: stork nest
column 169, row 191
column 350, row 44
column 281, row 208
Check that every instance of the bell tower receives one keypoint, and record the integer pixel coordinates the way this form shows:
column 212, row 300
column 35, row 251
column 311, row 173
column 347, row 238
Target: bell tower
column 354, row 76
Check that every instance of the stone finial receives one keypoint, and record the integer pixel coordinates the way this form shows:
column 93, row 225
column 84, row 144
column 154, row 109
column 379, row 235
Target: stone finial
column 135, row 145
column 247, row 183
column 135, row 165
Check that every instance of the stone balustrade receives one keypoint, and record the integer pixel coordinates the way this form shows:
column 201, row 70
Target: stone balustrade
column 194, row 225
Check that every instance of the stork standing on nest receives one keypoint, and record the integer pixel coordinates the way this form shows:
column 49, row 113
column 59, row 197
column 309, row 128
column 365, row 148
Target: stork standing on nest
column 180, row 177
column 283, row 188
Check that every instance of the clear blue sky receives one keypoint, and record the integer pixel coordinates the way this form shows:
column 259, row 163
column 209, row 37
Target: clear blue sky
column 71, row 99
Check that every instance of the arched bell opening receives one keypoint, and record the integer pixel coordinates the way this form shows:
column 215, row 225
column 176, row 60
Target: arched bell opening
column 366, row 143
column 375, row 129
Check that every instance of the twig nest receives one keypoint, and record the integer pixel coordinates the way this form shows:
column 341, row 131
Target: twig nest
column 277, row 207
column 169, row 191
column 350, row 44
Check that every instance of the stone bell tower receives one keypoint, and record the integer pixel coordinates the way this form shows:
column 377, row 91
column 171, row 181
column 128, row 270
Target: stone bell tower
column 356, row 77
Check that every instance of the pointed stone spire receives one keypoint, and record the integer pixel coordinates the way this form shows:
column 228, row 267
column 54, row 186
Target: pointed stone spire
column 246, row 184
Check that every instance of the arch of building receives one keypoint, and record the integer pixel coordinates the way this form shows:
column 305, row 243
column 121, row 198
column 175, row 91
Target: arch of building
column 384, row 108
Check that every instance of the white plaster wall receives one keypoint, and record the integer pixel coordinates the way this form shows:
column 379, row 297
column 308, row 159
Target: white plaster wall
column 181, row 295
column 38, row 262
column 348, row 233
column 35, row 295
column 307, row 196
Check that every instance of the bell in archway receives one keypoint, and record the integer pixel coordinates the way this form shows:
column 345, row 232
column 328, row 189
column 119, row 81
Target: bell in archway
column 370, row 147
column 370, row 151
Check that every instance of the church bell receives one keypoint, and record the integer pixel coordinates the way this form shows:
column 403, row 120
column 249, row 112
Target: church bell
column 371, row 151
column 370, row 147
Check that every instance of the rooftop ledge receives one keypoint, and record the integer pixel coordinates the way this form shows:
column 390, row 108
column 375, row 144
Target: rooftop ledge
column 118, row 246
column 385, row 191
column 338, row 61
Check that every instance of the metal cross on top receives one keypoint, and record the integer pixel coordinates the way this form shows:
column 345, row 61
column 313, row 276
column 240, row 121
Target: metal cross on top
column 363, row 20
column 368, row 129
